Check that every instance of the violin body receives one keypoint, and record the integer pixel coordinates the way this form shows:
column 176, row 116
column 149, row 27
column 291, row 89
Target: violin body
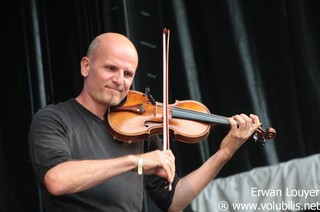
column 138, row 118
column 189, row 121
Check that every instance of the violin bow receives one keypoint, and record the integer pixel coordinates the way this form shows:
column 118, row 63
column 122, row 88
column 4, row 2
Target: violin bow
column 166, row 138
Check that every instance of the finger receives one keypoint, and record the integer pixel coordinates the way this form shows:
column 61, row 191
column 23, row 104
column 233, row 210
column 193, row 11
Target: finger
column 233, row 123
column 164, row 170
column 173, row 169
column 246, row 118
column 170, row 167
column 241, row 122
column 255, row 120
column 248, row 121
column 165, row 165
column 170, row 164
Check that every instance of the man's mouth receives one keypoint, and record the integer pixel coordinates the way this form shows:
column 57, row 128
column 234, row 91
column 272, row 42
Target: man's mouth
column 114, row 89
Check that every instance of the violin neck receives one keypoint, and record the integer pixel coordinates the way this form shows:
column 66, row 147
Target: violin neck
column 199, row 116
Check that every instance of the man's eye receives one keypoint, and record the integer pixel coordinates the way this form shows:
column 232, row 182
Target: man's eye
column 128, row 74
column 111, row 68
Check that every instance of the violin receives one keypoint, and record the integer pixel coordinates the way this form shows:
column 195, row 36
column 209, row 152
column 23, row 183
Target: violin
column 140, row 116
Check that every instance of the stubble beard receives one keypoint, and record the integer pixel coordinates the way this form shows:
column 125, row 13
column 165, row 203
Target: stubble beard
column 115, row 98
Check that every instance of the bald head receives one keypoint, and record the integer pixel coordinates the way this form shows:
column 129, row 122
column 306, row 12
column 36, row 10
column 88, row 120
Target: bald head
column 108, row 40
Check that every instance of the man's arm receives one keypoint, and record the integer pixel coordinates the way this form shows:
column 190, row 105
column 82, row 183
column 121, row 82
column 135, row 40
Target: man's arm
column 75, row 176
column 191, row 185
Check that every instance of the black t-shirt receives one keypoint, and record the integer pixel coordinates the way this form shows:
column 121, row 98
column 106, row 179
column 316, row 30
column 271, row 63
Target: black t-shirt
column 68, row 131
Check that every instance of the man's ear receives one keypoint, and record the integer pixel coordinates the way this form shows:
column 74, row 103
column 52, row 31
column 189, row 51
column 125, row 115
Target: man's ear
column 85, row 63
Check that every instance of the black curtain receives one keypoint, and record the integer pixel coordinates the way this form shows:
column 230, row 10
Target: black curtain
column 243, row 56
column 255, row 57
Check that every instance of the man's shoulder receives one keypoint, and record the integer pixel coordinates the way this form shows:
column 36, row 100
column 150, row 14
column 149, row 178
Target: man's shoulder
column 56, row 110
column 57, row 106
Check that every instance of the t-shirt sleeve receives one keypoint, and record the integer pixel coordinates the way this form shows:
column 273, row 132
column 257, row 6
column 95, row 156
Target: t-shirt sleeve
column 159, row 192
column 48, row 143
column 157, row 187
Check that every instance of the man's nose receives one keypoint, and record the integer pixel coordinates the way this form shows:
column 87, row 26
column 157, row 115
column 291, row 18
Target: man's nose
column 118, row 77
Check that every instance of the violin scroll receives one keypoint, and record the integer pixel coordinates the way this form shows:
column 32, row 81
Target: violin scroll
column 262, row 136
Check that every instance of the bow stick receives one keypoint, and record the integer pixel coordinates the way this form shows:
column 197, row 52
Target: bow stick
column 166, row 139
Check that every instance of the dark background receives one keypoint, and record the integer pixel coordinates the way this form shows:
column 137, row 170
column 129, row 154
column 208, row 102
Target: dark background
column 235, row 56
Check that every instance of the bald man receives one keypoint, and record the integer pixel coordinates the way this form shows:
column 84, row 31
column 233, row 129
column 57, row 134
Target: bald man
column 80, row 167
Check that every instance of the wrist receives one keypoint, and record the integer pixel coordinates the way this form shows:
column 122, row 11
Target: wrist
column 229, row 146
column 139, row 166
column 224, row 154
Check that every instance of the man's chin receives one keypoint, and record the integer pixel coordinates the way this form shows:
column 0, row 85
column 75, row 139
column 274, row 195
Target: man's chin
column 114, row 97
column 116, row 100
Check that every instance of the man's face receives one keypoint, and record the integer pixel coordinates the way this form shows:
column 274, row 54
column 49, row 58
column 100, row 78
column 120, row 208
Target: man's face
column 109, row 75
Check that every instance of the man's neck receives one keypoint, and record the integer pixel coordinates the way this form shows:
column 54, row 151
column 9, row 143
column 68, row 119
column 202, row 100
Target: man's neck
column 97, row 109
